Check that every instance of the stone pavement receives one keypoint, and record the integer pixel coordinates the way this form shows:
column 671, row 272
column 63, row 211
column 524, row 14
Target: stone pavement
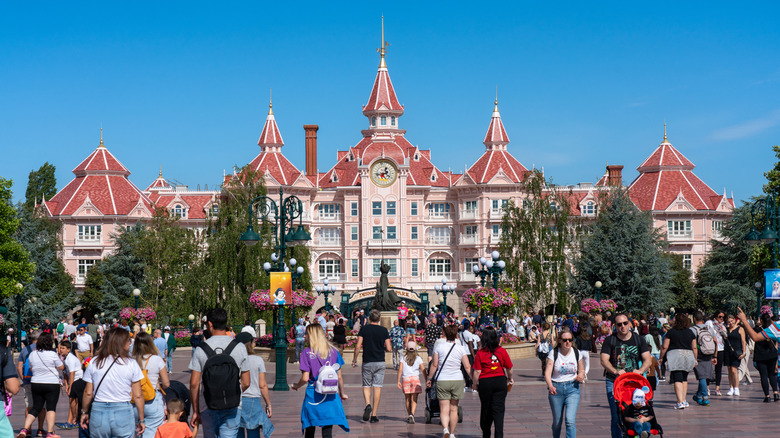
column 528, row 412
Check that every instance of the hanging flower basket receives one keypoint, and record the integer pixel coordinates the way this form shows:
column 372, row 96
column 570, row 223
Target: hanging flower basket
column 261, row 299
column 607, row 305
column 490, row 300
column 591, row 306
column 145, row 313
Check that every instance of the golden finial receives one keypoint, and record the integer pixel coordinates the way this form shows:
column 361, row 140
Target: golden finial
column 101, row 145
column 160, row 175
column 665, row 140
column 271, row 102
column 383, row 47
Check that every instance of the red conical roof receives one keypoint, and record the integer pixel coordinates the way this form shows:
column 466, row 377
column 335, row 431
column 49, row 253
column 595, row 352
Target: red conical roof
column 383, row 96
column 270, row 135
column 496, row 134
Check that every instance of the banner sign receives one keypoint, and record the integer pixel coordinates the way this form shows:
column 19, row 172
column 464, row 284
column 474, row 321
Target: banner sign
column 281, row 287
column 772, row 284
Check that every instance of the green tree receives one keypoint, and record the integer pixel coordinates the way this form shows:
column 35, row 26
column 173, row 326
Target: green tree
column 41, row 182
column 536, row 235
column 727, row 275
column 625, row 253
column 686, row 296
column 15, row 265
column 772, row 186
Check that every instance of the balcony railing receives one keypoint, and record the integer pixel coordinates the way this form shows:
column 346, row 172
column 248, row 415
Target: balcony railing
column 495, row 238
column 450, row 276
column 328, row 241
column 469, row 239
column 333, row 276
column 328, row 217
column 439, row 240
column 679, row 235
column 469, row 214
column 386, row 243
column 439, row 216
column 496, row 213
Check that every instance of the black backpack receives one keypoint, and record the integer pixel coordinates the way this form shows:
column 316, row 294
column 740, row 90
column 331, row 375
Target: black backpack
column 576, row 354
column 221, row 378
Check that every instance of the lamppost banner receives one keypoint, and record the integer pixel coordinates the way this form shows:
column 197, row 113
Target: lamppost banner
column 281, row 287
column 772, row 284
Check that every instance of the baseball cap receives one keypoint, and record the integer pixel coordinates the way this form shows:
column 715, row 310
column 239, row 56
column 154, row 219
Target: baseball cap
column 411, row 345
column 167, row 327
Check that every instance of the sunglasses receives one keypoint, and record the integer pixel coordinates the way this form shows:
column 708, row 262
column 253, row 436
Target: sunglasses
column 566, row 340
column 620, row 324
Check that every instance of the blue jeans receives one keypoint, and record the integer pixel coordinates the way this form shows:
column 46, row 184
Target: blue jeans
column 299, row 346
column 223, row 423
column 112, row 420
column 169, row 363
column 154, row 415
column 703, row 393
column 641, row 427
column 614, row 425
column 567, row 396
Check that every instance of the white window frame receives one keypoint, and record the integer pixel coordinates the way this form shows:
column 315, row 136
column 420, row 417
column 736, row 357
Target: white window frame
column 355, row 268
column 439, row 210
column 354, row 209
column 678, row 229
column 440, row 235
column 687, row 261
column 329, row 211
column 413, row 209
column 415, row 268
column 414, row 235
column 354, row 233
column 376, row 233
column 438, row 267
column 471, row 206
column 393, row 263
column 376, row 208
column 329, row 268
column 392, row 232
column 390, row 208
column 89, row 233
column 84, row 265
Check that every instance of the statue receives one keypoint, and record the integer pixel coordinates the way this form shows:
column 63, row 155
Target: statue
column 384, row 299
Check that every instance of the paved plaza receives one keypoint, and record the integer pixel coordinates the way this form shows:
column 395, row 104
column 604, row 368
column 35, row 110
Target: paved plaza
column 528, row 412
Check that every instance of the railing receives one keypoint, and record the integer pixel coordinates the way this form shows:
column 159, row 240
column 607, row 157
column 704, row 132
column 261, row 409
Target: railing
column 679, row 235
column 386, row 243
column 496, row 213
column 469, row 214
column 469, row 239
column 328, row 241
column 439, row 240
column 468, row 276
column 495, row 238
column 88, row 242
column 450, row 276
column 439, row 216
column 328, row 217
column 334, row 276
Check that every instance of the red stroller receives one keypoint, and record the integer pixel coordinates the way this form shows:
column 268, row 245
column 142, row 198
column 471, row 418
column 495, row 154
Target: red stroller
column 624, row 387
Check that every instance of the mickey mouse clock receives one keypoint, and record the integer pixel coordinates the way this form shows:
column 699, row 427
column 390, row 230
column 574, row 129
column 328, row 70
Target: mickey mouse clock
column 384, row 173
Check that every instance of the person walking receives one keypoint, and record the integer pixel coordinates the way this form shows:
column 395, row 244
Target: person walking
column 195, row 339
column 159, row 342
column 564, row 373
column 253, row 418
column 170, row 341
column 247, row 328
column 705, row 358
column 447, row 359
column 320, row 410
column 9, row 386
column 765, row 359
column 680, row 345
column 621, row 353
column 300, row 339
column 397, row 336
column 145, row 354
column 716, row 326
column 409, row 378
column 736, row 349
column 73, row 383
column 492, row 381
column 113, row 379
column 653, row 339
column 544, row 343
column 26, row 377
column 432, row 334
column 84, row 344
column 375, row 341
column 45, row 365
column 219, row 415
column 340, row 335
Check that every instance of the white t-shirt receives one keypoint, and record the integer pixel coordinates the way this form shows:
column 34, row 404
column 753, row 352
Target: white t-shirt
column 414, row 370
column 465, row 337
column 451, row 369
column 44, row 367
column 73, row 364
column 83, row 342
column 153, row 368
column 256, row 366
column 116, row 387
column 511, row 326
column 565, row 368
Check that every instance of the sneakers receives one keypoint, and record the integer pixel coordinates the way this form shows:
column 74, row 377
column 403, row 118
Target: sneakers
column 445, row 433
column 696, row 399
column 704, row 402
column 718, row 393
column 374, row 420
column 679, row 406
column 685, row 403
column 23, row 433
column 731, row 392
column 411, row 419
column 52, row 435
column 736, row 391
column 66, row 426
column 367, row 413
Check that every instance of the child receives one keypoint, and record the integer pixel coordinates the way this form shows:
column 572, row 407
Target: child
column 173, row 427
column 651, row 373
column 409, row 378
column 638, row 415
column 72, row 383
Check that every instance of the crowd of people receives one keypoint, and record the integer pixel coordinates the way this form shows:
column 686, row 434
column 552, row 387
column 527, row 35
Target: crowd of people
column 118, row 383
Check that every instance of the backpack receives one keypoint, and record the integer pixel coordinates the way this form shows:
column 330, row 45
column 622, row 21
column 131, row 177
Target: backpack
column 26, row 370
column 705, row 341
column 6, row 396
column 147, row 389
column 221, row 378
column 576, row 354
column 327, row 380
column 60, row 328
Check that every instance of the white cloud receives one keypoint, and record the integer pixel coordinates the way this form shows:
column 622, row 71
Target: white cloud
column 748, row 128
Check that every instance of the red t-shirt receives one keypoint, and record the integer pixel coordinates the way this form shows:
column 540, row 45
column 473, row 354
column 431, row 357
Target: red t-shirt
column 492, row 364
column 178, row 429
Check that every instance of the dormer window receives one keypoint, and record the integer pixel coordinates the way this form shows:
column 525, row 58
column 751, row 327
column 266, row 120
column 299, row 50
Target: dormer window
column 433, row 176
column 180, row 211
column 214, row 209
column 334, row 177
column 351, row 157
column 392, row 121
column 373, row 121
column 416, row 156
column 384, row 120
column 589, row 209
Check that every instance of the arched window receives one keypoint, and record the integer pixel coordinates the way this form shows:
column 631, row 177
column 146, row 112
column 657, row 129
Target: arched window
column 392, row 121
column 179, row 211
column 373, row 121
column 384, row 120
column 589, row 208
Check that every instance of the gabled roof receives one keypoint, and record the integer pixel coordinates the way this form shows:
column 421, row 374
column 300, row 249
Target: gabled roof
column 197, row 203
column 664, row 176
column 277, row 165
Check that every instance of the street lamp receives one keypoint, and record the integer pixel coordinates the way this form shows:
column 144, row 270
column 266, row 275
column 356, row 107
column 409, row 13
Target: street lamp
column 19, row 316
column 767, row 209
column 282, row 217
column 598, row 285
column 192, row 319
column 759, row 295
column 326, row 290
column 136, row 294
column 492, row 268
column 444, row 289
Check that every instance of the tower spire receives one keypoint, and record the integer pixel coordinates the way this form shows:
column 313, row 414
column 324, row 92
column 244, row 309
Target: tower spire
column 160, row 175
column 101, row 145
column 665, row 139
column 271, row 102
column 383, row 46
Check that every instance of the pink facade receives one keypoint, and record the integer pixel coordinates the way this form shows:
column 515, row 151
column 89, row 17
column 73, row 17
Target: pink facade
column 384, row 198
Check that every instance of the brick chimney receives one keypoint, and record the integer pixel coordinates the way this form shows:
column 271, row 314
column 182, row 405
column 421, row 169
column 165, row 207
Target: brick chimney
column 311, row 148
column 614, row 175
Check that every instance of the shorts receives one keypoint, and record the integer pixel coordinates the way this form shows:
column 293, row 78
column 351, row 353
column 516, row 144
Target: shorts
column 678, row 376
column 450, row 389
column 77, row 389
column 373, row 374
column 411, row 331
column 411, row 385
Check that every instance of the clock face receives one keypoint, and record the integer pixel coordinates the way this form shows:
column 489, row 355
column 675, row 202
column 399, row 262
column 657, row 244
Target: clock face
column 384, row 173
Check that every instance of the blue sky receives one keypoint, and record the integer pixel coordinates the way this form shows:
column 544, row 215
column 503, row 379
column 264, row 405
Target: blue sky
column 186, row 85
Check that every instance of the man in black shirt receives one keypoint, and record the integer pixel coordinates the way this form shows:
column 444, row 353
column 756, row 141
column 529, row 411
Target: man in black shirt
column 622, row 352
column 375, row 340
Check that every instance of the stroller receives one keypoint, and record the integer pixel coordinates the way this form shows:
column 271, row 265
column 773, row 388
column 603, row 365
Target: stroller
column 180, row 391
column 432, row 405
column 624, row 388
